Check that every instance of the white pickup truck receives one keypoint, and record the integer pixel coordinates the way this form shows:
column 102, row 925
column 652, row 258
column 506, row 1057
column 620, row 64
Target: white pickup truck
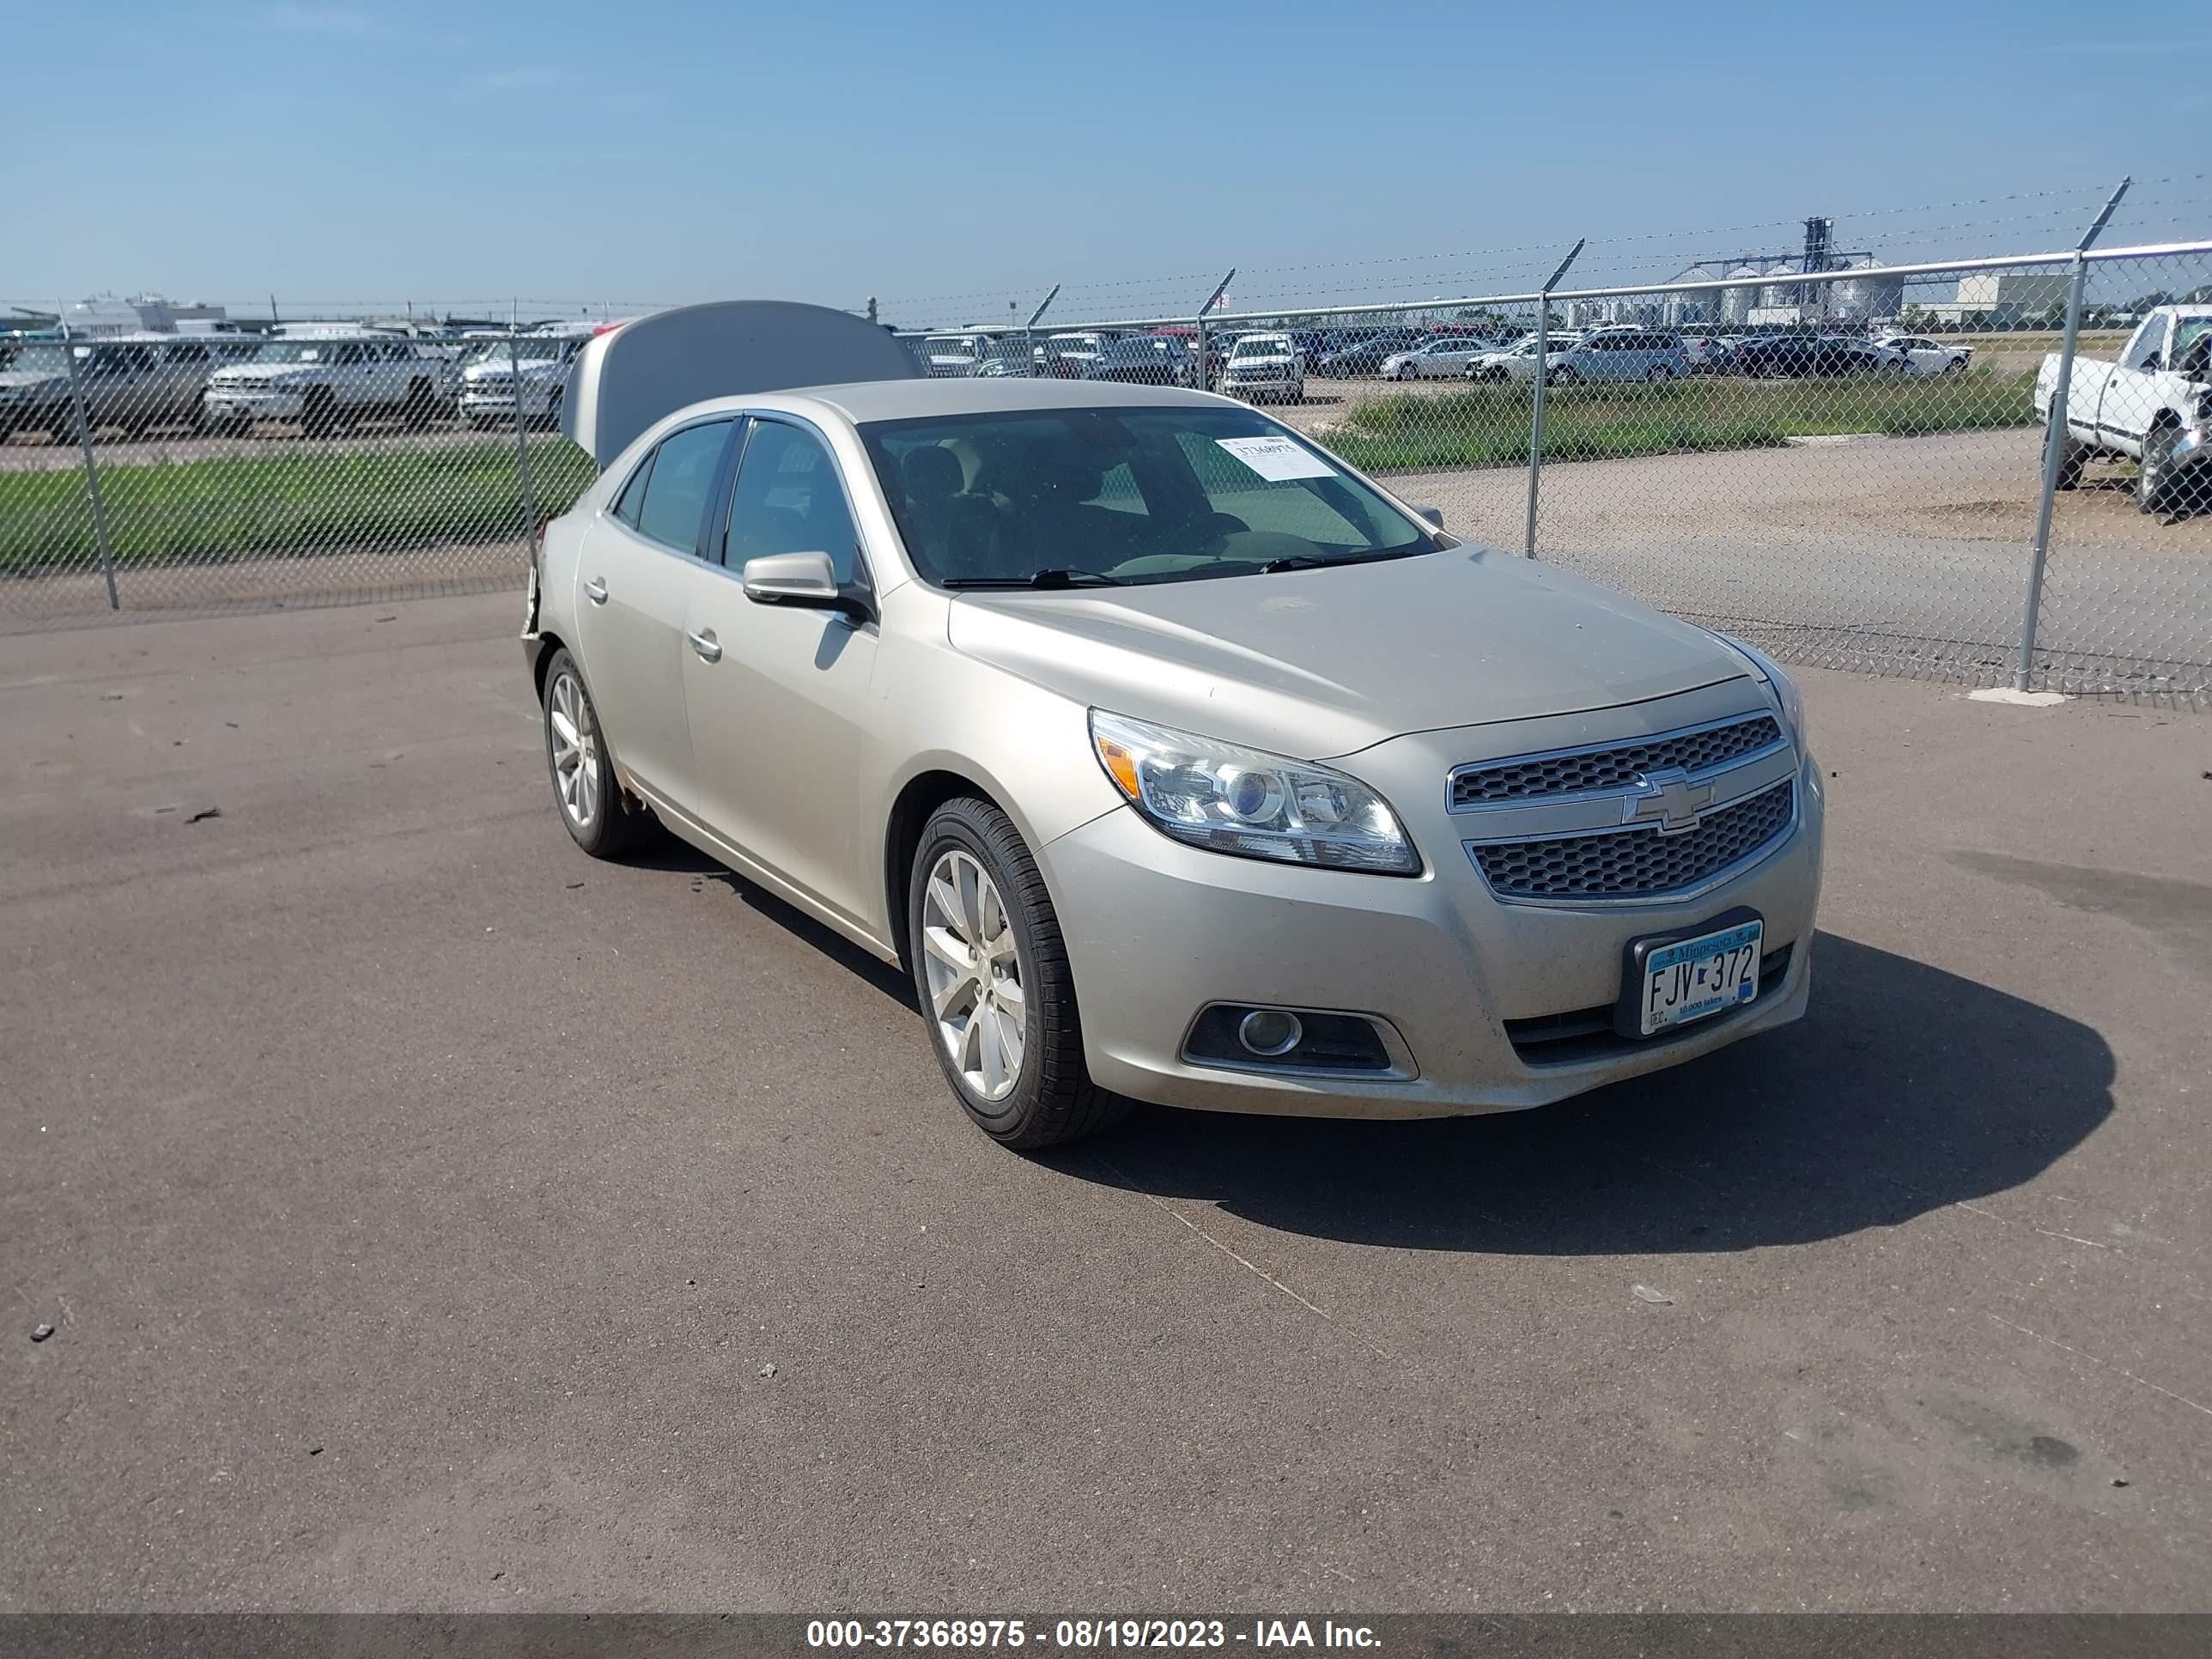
column 492, row 392
column 2153, row 405
column 325, row 381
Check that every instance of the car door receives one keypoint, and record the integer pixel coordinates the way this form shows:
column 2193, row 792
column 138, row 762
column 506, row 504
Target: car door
column 636, row 575
column 185, row 369
column 778, row 695
column 2129, row 391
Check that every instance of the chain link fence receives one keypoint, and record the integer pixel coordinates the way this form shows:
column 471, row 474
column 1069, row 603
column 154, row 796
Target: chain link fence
column 187, row 472
column 1851, row 463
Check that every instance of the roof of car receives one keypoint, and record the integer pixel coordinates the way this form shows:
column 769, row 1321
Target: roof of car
column 901, row 400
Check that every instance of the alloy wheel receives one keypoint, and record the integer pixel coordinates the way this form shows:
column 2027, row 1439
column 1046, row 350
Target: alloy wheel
column 575, row 739
column 974, row 972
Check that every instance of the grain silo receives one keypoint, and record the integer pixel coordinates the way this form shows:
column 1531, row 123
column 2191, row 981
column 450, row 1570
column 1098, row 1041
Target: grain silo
column 1867, row 294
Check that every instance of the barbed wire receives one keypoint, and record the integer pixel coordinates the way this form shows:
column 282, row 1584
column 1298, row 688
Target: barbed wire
column 1261, row 276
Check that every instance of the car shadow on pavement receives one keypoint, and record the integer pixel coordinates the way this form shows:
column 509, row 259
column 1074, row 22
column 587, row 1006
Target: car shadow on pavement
column 1905, row 1088
column 663, row 851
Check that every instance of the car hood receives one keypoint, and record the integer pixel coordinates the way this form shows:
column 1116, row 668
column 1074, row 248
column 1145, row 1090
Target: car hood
column 1271, row 360
column 30, row 379
column 1322, row 663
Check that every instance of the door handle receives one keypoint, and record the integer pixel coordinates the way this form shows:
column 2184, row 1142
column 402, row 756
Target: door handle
column 709, row 648
column 596, row 591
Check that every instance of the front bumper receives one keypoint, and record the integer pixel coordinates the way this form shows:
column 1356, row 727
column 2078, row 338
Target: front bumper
column 2194, row 449
column 1158, row 930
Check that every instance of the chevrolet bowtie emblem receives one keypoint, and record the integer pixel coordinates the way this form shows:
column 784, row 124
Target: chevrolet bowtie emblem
column 1669, row 800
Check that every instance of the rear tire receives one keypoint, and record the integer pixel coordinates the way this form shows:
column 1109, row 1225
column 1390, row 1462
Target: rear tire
column 992, row 976
column 598, row 815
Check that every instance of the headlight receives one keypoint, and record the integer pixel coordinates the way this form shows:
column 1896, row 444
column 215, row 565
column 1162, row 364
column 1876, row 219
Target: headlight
column 1244, row 801
column 1785, row 689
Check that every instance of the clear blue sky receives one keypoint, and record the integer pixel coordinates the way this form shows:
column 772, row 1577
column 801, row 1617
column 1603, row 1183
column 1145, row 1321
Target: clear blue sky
column 952, row 158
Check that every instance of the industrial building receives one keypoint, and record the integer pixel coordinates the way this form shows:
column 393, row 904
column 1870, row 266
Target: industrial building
column 2002, row 299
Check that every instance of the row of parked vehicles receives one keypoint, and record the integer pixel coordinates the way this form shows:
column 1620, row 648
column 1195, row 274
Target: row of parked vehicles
column 1274, row 364
column 1628, row 353
column 317, row 380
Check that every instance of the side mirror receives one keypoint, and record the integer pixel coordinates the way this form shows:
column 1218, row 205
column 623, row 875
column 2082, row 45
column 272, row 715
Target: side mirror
column 808, row 581
column 1434, row 515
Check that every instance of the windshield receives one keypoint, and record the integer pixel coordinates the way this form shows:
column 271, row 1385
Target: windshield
column 948, row 345
column 44, row 357
column 291, row 351
column 2192, row 346
column 1125, row 496
column 1261, row 346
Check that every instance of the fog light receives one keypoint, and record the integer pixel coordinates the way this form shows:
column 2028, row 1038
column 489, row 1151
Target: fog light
column 1268, row 1032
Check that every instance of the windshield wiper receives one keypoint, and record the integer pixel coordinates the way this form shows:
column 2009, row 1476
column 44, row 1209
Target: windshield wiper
column 1321, row 560
column 1048, row 579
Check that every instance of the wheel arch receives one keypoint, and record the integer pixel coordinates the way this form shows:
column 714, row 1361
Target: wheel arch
column 545, row 645
column 918, row 799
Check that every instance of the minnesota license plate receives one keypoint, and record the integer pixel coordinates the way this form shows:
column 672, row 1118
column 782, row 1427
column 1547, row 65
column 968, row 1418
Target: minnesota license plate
column 1696, row 978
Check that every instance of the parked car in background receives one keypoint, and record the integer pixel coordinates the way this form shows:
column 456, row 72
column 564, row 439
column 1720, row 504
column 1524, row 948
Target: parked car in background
column 1062, row 356
column 1265, row 368
column 325, row 381
column 1925, row 356
column 2152, row 405
column 1622, row 354
column 1168, row 757
column 1799, row 356
column 500, row 383
column 1367, row 355
column 1517, row 362
column 1441, row 356
column 1139, row 360
column 957, row 355
column 134, row 382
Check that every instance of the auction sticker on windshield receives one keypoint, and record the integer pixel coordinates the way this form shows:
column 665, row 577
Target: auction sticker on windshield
column 1699, row 976
column 1278, row 459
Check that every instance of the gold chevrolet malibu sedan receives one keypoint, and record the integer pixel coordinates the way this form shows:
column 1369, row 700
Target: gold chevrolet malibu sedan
column 1174, row 759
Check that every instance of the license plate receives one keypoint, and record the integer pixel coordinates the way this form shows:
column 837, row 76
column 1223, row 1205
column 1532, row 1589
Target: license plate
column 1696, row 978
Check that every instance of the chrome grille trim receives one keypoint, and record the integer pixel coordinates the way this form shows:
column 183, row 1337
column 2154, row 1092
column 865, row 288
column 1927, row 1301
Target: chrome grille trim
column 1640, row 863
column 1610, row 768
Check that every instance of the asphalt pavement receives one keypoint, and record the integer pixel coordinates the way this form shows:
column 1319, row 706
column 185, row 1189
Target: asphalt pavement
column 429, row 1217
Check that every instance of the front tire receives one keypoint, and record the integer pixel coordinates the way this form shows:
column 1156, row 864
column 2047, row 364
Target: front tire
column 585, row 788
column 2071, row 456
column 992, row 976
column 2154, row 477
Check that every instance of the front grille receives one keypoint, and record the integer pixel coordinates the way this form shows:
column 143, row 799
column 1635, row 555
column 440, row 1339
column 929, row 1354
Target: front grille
column 1642, row 863
column 1536, row 776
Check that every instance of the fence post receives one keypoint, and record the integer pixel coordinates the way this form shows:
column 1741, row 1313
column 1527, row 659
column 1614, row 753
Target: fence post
column 91, row 469
column 1212, row 301
column 522, row 448
column 2054, row 440
column 1536, row 408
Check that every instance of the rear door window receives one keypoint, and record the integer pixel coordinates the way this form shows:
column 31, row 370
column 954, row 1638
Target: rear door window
column 678, row 486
